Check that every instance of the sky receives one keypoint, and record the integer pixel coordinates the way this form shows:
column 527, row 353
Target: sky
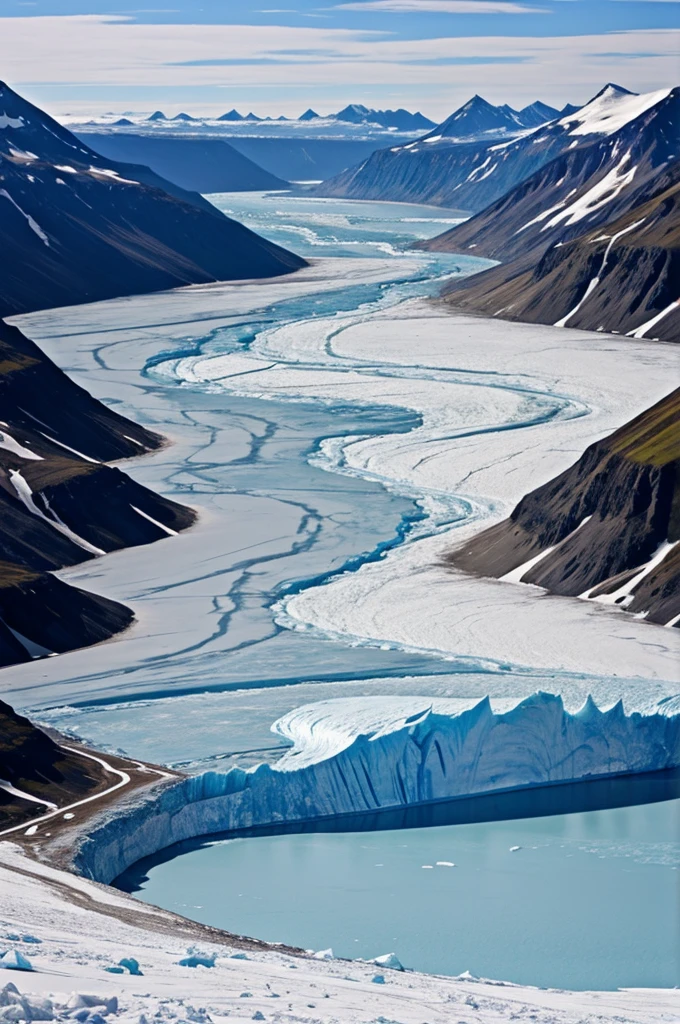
column 281, row 56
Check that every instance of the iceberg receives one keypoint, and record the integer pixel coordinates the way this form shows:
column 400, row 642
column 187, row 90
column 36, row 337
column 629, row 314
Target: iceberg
column 365, row 754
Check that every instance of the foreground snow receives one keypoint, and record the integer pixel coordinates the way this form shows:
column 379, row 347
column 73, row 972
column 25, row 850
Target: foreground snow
column 83, row 928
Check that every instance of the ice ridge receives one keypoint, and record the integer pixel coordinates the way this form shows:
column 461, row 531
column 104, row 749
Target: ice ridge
column 411, row 752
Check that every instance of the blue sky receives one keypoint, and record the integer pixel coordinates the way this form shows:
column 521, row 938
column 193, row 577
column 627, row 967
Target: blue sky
column 280, row 56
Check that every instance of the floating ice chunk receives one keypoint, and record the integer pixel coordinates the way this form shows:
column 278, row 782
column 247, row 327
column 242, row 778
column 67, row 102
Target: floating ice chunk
column 390, row 960
column 83, row 1000
column 514, row 849
column 427, row 867
column 445, row 864
column 13, row 960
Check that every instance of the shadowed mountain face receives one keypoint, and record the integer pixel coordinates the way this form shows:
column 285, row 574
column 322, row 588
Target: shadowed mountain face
column 201, row 165
column 607, row 529
column 622, row 276
column 77, row 227
column 32, row 763
column 473, row 174
column 60, row 504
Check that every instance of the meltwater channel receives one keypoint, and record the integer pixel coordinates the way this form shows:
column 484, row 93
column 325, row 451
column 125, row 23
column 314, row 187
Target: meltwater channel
column 584, row 898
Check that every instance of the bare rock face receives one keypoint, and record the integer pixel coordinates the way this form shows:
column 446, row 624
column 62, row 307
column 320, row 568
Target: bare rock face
column 620, row 276
column 33, row 763
column 605, row 528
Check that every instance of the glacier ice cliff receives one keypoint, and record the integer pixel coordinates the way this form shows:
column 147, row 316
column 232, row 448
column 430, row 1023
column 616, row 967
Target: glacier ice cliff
column 364, row 754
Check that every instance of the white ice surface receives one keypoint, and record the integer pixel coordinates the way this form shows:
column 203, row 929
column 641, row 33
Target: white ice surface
column 84, row 928
column 472, row 380
column 611, row 111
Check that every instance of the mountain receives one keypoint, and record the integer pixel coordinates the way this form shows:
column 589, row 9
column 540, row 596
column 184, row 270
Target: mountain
column 232, row 115
column 401, row 119
column 183, row 117
column 609, row 151
column 122, row 122
column 569, row 108
column 474, row 118
column 472, row 175
column 197, row 164
column 606, row 530
column 621, row 276
column 309, row 115
column 539, row 113
column 250, row 116
column 33, row 763
column 77, row 227
column 60, row 504
column 158, row 115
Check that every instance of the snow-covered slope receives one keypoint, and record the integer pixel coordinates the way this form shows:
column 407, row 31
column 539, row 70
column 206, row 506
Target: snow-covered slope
column 600, row 174
column 621, row 275
column 605, row 530
column 471, row 175
column 249, row 980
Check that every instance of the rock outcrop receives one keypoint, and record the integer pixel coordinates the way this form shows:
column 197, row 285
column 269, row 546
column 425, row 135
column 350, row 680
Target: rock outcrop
column 606, row 530
column 622, row 276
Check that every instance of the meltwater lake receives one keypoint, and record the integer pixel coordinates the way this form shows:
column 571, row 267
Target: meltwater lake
column 587, row 900
column 579, row 898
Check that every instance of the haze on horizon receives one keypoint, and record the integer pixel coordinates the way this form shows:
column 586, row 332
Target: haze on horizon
column 87, row 57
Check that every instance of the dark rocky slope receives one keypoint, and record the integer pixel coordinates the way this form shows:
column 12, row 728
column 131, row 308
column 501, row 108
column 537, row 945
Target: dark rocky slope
column 60, row 504
column 32, row 762
column 199, row 165
column 473, row 175
column 593, row 181
column 600, row 524
column 76, row 227
column 623, row 276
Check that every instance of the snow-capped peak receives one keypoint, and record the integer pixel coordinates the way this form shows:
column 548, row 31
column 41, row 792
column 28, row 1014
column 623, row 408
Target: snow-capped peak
column 610, row 110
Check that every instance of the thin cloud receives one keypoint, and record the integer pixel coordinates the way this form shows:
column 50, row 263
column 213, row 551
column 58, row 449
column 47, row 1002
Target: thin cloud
column 440, row 7
column 110, row 56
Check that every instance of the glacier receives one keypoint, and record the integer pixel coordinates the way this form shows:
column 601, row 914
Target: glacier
column 367, row 754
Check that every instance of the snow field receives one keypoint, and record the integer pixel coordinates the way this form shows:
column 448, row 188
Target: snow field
column 82, row 930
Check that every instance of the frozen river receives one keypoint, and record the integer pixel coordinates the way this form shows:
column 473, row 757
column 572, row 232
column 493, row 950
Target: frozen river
column 335, row 432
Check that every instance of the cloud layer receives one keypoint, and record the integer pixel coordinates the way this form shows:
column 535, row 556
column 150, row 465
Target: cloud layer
column 277, row 64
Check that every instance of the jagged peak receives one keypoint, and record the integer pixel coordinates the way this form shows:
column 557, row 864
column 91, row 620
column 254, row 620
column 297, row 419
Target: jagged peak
column 611, row 89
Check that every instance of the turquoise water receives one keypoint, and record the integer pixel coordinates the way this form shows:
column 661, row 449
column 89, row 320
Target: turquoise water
column 581, row 900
